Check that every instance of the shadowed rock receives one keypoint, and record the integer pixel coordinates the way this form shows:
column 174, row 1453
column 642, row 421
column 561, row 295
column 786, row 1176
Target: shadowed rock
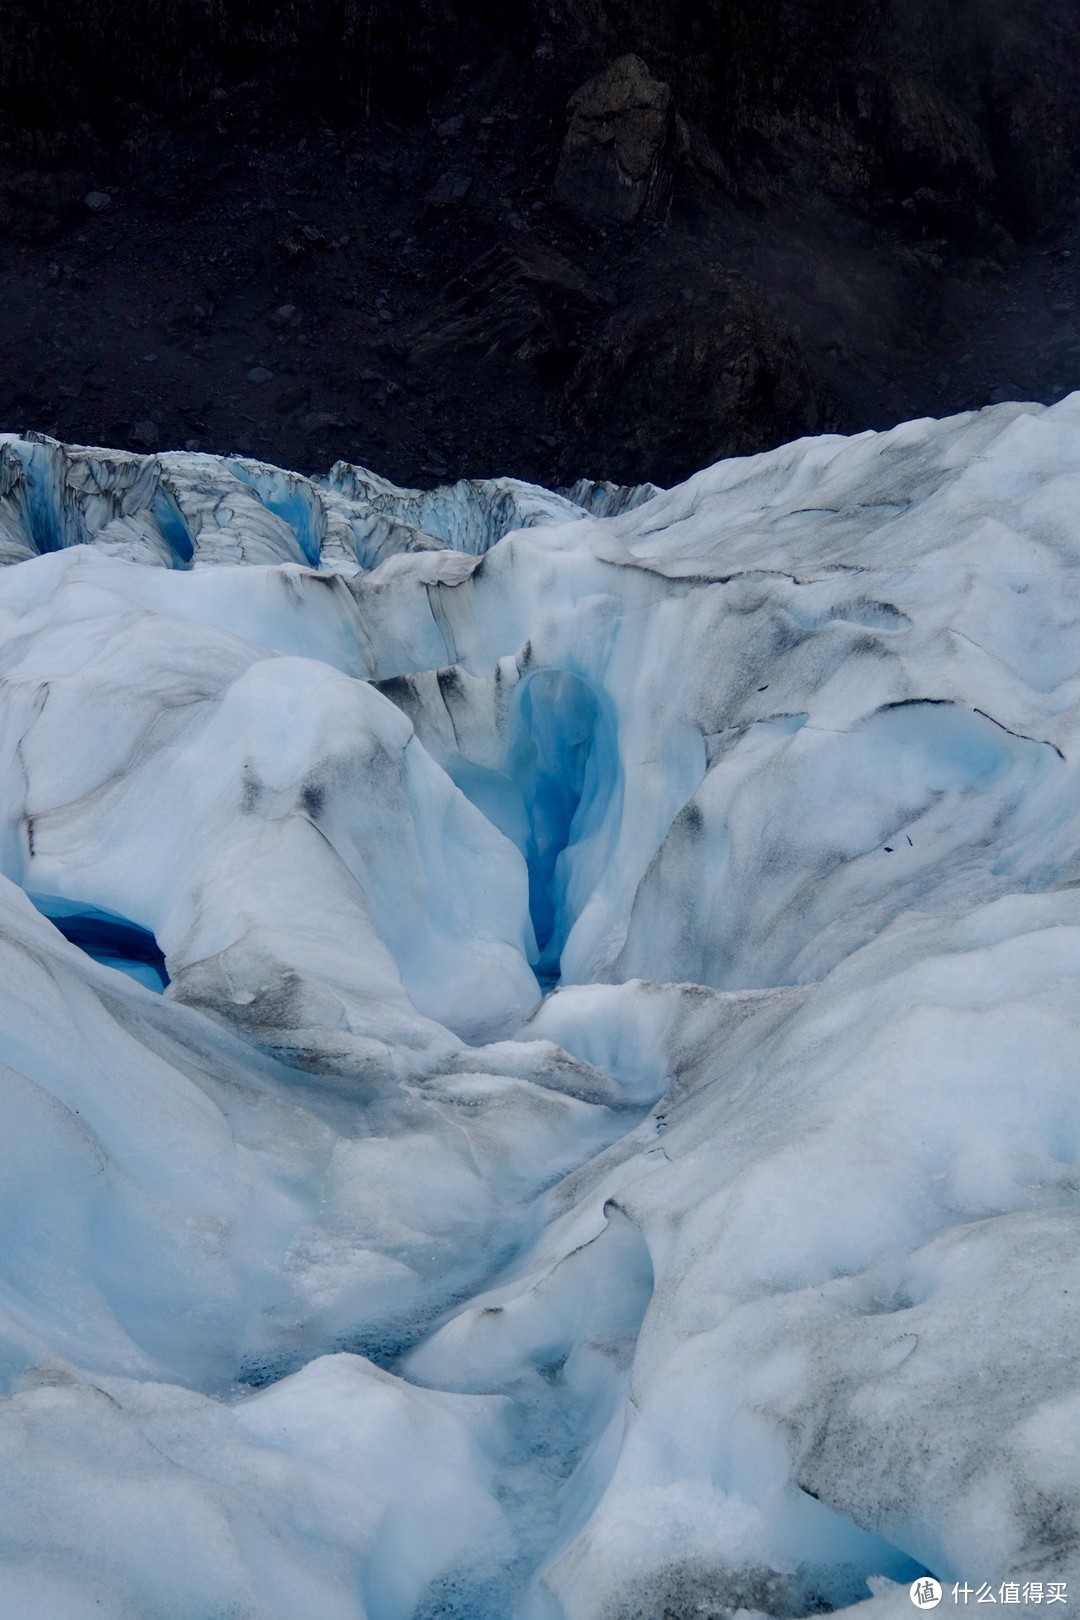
column 721, row 362
column 613, row 165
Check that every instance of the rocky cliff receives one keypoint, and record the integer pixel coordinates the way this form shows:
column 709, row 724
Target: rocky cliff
column 429, row 235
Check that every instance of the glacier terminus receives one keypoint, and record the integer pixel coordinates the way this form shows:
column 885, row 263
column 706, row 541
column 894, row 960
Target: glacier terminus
column 539, row 1034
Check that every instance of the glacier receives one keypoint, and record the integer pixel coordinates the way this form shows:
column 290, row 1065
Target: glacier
column 538, row 1033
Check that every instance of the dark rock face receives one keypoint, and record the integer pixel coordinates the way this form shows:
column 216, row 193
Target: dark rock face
column 868, row 97
column 530, row 303
column 613, row 160
column 572, row 236
column 91, row 60
column 730, row 376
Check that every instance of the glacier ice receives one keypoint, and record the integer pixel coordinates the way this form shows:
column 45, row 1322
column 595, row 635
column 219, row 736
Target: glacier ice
column 538, row 1033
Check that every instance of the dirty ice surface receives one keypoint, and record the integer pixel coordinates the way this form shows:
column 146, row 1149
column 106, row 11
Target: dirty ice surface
column 538, row 1034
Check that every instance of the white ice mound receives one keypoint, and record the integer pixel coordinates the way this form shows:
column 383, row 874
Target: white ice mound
column 538, row 1033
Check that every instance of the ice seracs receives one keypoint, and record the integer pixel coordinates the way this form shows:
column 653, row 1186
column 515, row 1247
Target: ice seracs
column 587, row 1123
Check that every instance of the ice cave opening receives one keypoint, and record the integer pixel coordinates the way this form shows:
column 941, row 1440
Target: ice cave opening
column 108, row 938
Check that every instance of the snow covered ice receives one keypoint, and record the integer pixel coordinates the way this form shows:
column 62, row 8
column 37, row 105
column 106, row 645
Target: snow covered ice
column 538, row 1034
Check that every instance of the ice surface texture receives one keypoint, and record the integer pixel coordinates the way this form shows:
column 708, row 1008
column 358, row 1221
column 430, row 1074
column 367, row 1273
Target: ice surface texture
column 587, row 1122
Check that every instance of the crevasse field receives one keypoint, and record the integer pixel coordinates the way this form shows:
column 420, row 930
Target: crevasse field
column 540, row 1069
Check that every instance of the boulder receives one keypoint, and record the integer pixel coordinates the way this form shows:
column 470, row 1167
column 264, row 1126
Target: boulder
column 613, row 164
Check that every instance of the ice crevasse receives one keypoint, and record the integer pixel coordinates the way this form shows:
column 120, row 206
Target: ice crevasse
column 538, row 1034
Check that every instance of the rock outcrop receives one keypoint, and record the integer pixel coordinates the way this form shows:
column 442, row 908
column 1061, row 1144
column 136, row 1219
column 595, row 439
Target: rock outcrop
column 613, row 162
column 727, row 371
